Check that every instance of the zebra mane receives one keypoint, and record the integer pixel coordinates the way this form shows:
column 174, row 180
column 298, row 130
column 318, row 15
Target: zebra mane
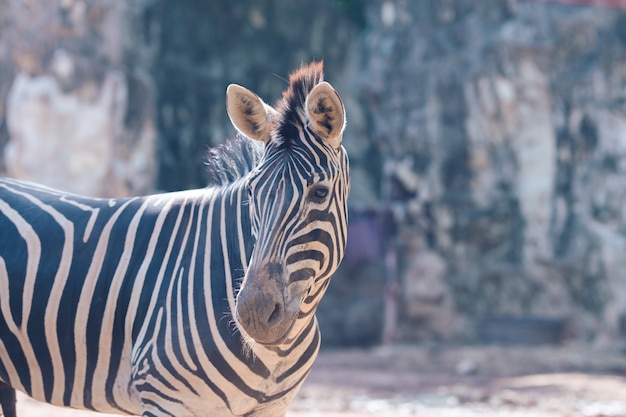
column 291, row 106
column 232, row 160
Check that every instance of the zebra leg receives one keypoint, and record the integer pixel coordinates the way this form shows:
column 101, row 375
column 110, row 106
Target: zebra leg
column 7, row 400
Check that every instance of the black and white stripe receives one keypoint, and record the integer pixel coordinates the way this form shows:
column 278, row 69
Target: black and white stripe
column 191, row 303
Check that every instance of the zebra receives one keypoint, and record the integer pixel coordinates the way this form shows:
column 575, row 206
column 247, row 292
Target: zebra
column 197, row 302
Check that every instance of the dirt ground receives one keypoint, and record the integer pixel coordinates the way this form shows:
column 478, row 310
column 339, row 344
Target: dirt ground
column 445, row 381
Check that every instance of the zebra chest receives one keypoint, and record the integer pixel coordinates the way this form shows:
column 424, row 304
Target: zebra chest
column 220, row 381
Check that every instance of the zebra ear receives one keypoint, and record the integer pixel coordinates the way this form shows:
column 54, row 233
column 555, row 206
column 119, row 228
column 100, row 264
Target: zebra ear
column 326, row 113
column 248, row 113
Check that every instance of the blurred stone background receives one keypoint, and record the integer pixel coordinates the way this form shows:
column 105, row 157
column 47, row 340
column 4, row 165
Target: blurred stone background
column 487, row 140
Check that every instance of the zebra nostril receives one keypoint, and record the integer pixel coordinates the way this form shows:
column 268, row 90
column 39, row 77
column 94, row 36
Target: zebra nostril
column 275, row 315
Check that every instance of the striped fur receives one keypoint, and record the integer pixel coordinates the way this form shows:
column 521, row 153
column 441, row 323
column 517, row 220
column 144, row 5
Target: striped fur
column 135, row 306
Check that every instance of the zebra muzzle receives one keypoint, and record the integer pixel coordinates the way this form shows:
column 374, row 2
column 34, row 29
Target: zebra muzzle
column 261, row 309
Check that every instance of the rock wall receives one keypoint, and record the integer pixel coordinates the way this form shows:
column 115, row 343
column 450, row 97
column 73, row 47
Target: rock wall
column 205, row 46
column 487, row 138
column 510, row 120
column 77, row 112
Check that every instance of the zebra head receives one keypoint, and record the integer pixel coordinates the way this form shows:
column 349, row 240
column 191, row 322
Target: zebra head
column 297, row 199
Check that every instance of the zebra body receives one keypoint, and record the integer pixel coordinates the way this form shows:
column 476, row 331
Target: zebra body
column 198, row 302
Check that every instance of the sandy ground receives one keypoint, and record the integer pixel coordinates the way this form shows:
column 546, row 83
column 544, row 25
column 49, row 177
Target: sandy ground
column 570, row 381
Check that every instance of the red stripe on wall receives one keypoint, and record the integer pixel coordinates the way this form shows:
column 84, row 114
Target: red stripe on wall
column 616, row 4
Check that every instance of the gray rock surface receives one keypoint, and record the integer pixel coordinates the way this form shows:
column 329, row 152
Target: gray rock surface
column 77, row 101
column 493, row 131
column 512, row 117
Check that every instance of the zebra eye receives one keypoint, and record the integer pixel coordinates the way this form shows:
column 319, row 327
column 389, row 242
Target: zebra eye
column 318, row 194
